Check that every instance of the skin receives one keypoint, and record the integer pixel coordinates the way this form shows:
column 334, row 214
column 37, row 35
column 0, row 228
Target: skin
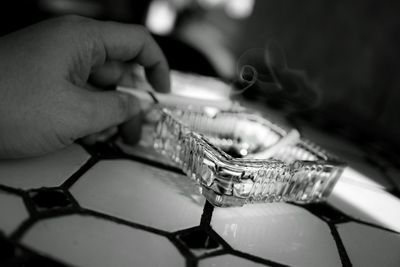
column 46, row 101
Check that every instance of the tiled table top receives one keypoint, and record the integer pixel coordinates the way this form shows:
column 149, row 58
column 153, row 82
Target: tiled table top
column 101, row 206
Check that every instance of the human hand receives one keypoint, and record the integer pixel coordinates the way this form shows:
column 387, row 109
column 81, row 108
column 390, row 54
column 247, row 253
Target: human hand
column 46, row 101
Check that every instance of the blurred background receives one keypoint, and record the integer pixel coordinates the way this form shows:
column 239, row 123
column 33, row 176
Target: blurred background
column 334, row 64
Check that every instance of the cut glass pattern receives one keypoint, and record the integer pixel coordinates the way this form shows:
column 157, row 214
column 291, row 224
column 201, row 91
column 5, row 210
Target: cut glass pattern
column 229, row 155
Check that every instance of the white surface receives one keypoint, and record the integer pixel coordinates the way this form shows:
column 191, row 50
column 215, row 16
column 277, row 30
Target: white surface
column 367, row 246
column 88, row 241
column 12, row 211
column 141, row 193
column 280, row 232
column 49, row 170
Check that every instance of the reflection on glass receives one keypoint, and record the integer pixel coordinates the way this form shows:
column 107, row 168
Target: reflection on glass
column 215, row 150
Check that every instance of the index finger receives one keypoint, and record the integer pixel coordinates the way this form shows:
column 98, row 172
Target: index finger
column 125, row 42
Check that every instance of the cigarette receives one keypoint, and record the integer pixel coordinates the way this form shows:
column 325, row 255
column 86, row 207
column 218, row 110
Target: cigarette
column 146, row 98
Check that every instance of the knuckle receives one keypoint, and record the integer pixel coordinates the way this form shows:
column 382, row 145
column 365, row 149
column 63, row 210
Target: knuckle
column 142, row 30
column 94, row 108
column 74, row 19
column 72, row 23
column 64, row 137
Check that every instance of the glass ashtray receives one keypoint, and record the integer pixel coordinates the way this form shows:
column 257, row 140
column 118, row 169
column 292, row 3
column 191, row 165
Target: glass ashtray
column 239, row 158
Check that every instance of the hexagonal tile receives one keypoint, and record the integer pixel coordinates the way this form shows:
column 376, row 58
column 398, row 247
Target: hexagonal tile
column 13, row 212
column 368, row 246
column 228, row 261
column 370, row 205
column 88, row 241
column 49, row 170
column 141, row 193
column 279, row 232
column 12, row 254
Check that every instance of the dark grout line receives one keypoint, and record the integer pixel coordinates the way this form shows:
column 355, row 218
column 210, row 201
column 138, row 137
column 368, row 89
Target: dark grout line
column 107, row 217
column 22, row 229
column 71, row 180
column 214, row 254
column 11, row 190
column 185, row 252
column 207, row 214
column 344, row 257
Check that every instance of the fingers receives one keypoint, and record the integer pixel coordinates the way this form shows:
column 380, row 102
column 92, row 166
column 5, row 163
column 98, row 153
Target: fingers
column 102, row 136
column 115, row 72
column 102, row 110
column 108, row 74
column 131, row 131
column 131, row 42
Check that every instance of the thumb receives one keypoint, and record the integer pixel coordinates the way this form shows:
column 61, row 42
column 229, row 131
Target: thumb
column 106, row 109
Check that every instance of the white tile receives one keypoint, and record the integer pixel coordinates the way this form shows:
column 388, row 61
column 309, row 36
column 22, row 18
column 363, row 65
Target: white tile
column 49, row 170
column 370, row 205
column 13, row 212
column 367, row 246
column 277, row 231
column 88, row 241
column 228, row 261
column 141, row 193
